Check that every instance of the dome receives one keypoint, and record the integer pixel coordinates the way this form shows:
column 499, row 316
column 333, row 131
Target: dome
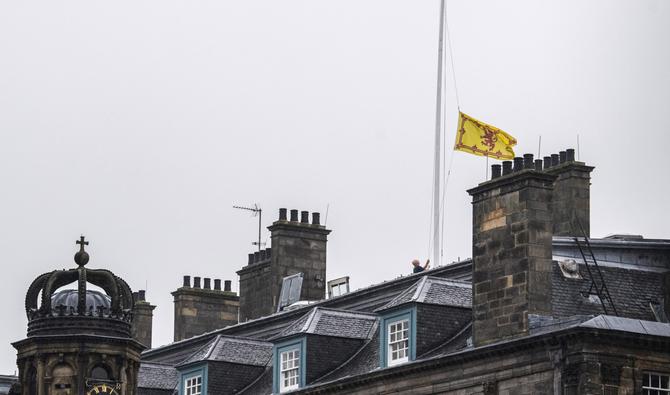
column 69, row 298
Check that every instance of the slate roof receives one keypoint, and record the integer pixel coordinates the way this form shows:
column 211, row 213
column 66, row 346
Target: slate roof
column 435, row 290
column 630, row 299
column 362, row 300
column 337, row 323
column 157, row 376
column 233, row 350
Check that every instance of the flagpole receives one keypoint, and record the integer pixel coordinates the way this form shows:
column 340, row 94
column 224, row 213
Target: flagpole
column 438, row 132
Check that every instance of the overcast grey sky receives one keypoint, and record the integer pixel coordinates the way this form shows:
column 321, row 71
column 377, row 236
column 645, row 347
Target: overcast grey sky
column 139, row 124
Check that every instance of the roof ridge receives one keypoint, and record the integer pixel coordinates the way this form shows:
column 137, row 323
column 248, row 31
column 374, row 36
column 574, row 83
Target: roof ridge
column 314, row 320
column 349, row 312
column 214, row 343
column 310, row 318
column 419, row 288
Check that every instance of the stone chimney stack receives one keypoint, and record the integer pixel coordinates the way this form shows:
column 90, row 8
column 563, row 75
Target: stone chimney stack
column 511, row 249
column 143, row 315
column 202, row 309
column 571, row 199
column 298, row 246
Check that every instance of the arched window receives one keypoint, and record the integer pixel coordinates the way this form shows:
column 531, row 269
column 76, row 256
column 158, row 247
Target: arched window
column 100, row 372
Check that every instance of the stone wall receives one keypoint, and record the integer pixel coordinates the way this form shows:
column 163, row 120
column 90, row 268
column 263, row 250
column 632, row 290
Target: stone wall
column 511, row 248
column 570, row 204
column 298, row 246
column 198, row 310
column 142, row 319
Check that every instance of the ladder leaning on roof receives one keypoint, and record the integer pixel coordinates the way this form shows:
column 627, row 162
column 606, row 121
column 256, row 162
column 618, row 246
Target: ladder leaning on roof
column 590, row 259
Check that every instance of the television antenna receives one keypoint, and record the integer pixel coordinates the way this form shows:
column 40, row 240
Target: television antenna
column 255, row 211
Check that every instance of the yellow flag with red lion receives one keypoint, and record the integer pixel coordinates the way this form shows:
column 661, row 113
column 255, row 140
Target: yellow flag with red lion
column 479, row 138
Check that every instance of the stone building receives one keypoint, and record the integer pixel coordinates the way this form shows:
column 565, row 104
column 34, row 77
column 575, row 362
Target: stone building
column 79, row 340
column 539, row 309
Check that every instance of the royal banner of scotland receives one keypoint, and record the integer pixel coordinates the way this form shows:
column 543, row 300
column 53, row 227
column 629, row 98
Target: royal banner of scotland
column 482, row 139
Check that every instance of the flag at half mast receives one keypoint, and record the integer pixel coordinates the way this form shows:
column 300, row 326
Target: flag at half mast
column 482, row 139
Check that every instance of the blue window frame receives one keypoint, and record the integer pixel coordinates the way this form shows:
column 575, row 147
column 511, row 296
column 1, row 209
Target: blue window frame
column 193, row 381
column 289, row 364
column 397, row 337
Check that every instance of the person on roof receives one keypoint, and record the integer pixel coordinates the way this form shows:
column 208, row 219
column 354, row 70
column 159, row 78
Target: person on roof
column 417, row 266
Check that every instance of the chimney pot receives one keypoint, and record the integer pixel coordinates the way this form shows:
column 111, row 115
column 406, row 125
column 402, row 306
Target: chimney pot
column 528, row 161
column 538, row 164
column 316, row 219
column 495, row 171
column 136, row 296
column 562, row 156
column 187, row 281
column 251, row 258
column 196, row 282
column 257, row 256
column 208, row 283
column 294, row 215
column 547, row 162
column 570, row 154
column 304, row 217
column 554, row 160
column 268, row 253
column 217, row 284
column 518, row 164
column 226, row 285
column 262, row 255
column 506, row 167
column 141, row 295
column 282, row 214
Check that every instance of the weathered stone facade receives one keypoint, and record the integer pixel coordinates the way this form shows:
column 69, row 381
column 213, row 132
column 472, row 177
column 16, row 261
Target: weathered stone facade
column 297, row 247
column 143, row 313
column 570, row 203
column 202, row 309
column 511, row 248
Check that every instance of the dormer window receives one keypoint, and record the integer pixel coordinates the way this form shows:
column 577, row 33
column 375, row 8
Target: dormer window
column 193, row 385
column 398, row 337
column 289, row 365
column 398, row 342
column 290, row 370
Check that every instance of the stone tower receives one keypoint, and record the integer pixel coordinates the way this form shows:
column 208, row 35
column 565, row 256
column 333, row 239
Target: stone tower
column 298, row 246
column 79, row 341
